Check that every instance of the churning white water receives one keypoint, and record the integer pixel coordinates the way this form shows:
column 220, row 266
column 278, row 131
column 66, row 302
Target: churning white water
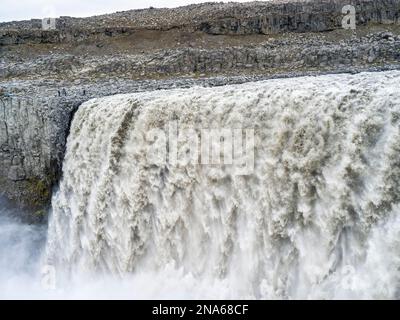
column 318, row 216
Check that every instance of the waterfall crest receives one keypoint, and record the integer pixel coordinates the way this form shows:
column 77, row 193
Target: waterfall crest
column 318, row 216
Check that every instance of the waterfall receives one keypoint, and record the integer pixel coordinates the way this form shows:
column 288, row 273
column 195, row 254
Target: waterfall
column 317, row 215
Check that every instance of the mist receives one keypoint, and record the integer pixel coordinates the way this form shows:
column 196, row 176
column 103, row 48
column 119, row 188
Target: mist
column 22, row 272
column 21, row 246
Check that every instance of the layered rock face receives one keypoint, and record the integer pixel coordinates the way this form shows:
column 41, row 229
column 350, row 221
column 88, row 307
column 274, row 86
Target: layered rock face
column 272, row 56
column 32, row 138
column 219, row 19
column 301, row 16
column 46, row 75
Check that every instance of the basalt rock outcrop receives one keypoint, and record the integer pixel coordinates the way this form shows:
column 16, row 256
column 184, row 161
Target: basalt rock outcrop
column 214, row 18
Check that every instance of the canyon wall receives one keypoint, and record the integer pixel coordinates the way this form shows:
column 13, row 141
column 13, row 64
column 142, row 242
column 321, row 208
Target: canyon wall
column 232, row 18
column 33, row 132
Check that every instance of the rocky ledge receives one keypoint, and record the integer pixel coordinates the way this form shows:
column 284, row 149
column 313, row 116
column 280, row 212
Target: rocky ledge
column 46, row 75
column 270, row 17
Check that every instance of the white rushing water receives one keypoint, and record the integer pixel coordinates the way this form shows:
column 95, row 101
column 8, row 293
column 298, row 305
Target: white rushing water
column 318, row 217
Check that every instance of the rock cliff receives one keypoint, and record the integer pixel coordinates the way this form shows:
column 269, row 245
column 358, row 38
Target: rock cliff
column 214, row 18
